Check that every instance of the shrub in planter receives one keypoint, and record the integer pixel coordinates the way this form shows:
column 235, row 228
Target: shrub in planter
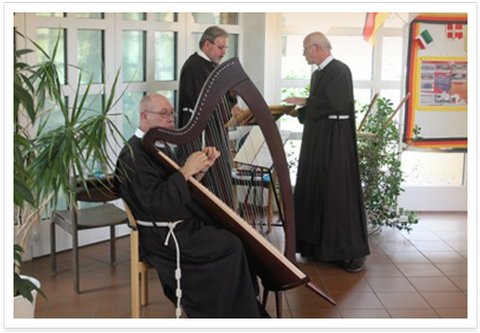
column 380, row 169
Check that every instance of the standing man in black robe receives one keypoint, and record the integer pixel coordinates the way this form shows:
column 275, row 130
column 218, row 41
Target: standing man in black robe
column 213, row 47
column 215, row 277
column 329, row 209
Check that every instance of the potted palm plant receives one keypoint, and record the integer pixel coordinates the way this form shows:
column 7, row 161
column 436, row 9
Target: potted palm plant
column 45, row 157
column 25, row 288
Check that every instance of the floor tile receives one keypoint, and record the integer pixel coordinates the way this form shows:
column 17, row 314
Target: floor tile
column 402, row 300
column 360, row 313
column 413, row 313
column 381, row 270
column 453, row 269
column 347, row 284
column 393, row 284
column 446, row 300
column 448, row 257
column 357, row 300
column 437, row 283
column 418, row 275
column 453, row 313
column 412, row 270
column 316, row 313
column 407, row 257
column 460, row 281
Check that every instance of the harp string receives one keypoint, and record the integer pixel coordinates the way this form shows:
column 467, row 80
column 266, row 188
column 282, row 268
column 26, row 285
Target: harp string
column 256, row 202
column 240, row 187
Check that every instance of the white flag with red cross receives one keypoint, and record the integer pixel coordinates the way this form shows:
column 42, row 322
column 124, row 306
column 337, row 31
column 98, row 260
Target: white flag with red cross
column 454, row 31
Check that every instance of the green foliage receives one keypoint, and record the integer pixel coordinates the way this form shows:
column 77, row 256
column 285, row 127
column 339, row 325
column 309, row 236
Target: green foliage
column 23, row 100
column 53, row 155
column 21, row 285
column 295, row 92
column 380, row 169
column 47, row 159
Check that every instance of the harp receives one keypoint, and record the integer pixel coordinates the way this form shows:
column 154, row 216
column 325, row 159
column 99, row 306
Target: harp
column 278, row 271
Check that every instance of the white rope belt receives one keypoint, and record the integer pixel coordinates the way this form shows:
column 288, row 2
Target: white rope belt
column 178, row 272
column 338, row 117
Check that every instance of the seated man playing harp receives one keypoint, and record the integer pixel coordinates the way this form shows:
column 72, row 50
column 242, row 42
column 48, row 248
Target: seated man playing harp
column 176, row 235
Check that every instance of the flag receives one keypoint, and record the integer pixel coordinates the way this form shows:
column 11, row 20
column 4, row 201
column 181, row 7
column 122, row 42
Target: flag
column 424, row 39
column 373, row 21
column 454, row 31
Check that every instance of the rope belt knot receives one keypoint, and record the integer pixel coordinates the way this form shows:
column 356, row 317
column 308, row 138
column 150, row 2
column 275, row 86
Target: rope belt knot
column 178, row 272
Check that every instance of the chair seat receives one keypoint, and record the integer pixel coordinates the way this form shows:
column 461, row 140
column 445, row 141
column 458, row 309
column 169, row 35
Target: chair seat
column 94, row 217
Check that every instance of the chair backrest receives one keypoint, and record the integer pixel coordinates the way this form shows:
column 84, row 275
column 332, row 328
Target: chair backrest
column 97, row 190
column 131, row 220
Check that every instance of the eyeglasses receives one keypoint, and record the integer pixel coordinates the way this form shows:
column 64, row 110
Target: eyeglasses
column 164, row 114
column 306, row 48
column 220, row 47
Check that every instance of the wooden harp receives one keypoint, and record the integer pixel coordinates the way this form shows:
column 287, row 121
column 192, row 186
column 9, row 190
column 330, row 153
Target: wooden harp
column 277, row 271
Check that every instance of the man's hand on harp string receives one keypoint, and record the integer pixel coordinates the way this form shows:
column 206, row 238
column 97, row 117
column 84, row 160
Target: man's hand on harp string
column 198, row 163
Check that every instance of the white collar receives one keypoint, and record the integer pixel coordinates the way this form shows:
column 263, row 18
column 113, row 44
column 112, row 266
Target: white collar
column 140, row 134
column 325, row 62
column 203, row 55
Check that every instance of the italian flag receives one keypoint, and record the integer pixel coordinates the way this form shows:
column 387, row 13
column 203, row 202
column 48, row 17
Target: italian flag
column 423, row 39
column 373, row 22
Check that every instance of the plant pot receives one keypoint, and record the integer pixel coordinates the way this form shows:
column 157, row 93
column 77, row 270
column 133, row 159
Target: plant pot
column 22, row 306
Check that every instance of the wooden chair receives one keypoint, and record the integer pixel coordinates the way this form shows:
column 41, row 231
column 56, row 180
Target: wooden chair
column 98, row 190
column 139, row 269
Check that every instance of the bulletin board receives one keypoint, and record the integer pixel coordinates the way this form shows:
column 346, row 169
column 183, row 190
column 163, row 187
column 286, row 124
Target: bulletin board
column 437, row 80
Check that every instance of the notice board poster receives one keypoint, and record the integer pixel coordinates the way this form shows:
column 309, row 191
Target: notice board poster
column 443, row 84
column 437, row 72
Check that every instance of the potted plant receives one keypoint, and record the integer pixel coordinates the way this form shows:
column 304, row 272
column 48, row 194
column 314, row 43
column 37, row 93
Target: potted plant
column 25, row 288
column 380, row 168
column 47, row 158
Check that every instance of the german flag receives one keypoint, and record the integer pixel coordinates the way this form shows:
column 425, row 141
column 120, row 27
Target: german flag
column 373, row 21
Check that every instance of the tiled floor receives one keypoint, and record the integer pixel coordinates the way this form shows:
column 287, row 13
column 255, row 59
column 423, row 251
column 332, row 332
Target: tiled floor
column 418, row 275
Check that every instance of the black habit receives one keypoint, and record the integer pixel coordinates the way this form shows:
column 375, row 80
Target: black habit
column 329, row 210
column 193, row 75
column 216, row 280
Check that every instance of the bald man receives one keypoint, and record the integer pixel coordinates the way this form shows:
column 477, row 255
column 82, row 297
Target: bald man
column 330, row 214
column 215, row 280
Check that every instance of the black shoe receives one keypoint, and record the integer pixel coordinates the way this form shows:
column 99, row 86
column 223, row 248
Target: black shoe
column 343, row 264
column 356, row 265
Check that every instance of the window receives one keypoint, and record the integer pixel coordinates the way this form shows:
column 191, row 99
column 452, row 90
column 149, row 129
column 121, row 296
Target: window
column 98, row 16
column 130, row 103
column 215, row 18
column 166, row 17
column 356, row 53
column 165, row 55
column 391, row 58
column 90, row 56
column 134, row 16
column 51, row 14
column 294, row 66
column 134, row 56
column 47, row 38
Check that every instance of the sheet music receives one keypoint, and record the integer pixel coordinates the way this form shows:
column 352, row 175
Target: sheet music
column 254, row 150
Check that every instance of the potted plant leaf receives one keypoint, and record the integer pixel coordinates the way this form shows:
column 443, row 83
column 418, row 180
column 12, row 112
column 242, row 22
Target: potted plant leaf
column 380, row 168
column 46, row 158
